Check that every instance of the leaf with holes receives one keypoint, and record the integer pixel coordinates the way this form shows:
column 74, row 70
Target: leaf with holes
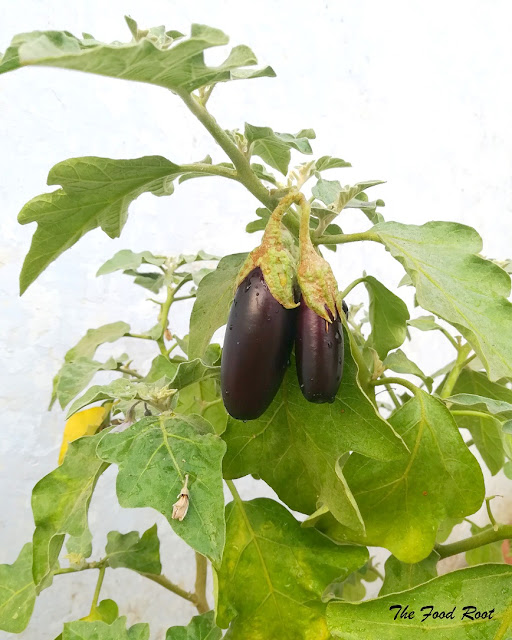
column 287, row 568
column 154, row 455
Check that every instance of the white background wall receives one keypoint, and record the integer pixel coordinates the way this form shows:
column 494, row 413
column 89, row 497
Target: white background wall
column 416, row 93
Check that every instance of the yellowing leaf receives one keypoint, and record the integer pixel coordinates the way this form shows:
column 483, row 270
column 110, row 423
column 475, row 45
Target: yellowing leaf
column 84, row 423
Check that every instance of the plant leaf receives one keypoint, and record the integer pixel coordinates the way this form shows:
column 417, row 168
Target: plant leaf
column 215, row 294
column 424, row 323
column 134, row 552
column 388, row 318
column 96, row 192
column 86, row 347
column 296, row 446
column 488, row 586
column 153, row 457
column 402, row 576
column 403, row 501
column 486, row 432
column 330, row 192
column 99, row 630
column 328, row 162
column 85, row 423
column 176, row 66
column 74, row 376
column 274, row 148
column 199, row 628
column 288, row 569
column 126, row 259
column 17, row 592
column 60, row 502
column 457, row 285
column 480, row 403
column 400, row 363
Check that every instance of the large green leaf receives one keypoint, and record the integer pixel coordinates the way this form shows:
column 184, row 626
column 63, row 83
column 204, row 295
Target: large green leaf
column 458, row 285
column 199, row 628
column 60, row 502
column 296, row 446
column 215, row 294
column 154, row 456
column 129, row 550
column 99, row 630
column 486, row 432
column 403, row 501
column 401, row 576
column 388, row 318
column 152, row 57
column 274, row 573
column 17, row 592
column 274, row 148
column 96, row 192
column 487, row 588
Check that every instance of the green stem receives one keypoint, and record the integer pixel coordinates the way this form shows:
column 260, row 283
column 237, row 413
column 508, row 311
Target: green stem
column 130, row 372
column 503, row 532
column 97, row 590
column 170, row 586
column 245, row 174
column 450, row 338
column 405, row 383
column 234, row 492
column 495, row 525
column 209, row 170
column 454, row 374
column 351, row 286
column 141, row 336
column 200, row 585
column 163, row 318
column 178, row 298
column 393, row 396
column 343, row 238
column 471, row 414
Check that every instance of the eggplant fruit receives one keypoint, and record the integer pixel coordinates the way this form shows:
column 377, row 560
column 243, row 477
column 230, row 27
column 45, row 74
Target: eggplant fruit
column 318, row 354
column 257, row 346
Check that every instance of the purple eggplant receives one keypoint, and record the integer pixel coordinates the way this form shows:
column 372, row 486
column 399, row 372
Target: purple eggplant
column 318, row 355
column 257, row 347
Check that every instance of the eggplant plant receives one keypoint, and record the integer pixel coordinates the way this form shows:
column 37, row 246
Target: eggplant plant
column 308, row 395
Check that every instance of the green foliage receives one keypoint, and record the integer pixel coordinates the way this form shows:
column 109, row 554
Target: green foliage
column 489, row 587
column 60, row 503
column 297, row 447
column 362, row 471
column 456, row 284
column 17, row 592
column 154, row 456
column 287, row 568
column 200, row 628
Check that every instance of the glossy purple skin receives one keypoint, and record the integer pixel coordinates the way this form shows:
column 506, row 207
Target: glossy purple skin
column 318, row 355
column 257, row 347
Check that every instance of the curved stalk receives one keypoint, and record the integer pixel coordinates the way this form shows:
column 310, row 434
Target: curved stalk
column 503, row 532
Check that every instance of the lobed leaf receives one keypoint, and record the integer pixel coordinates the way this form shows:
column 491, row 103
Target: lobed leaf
column 457, row 285
column 274, row 148
column 487, row 586
column 100, row 630
column 135, row 552
column 173, row 63
column 287, row 568
column 201, row 627
column 154, row 455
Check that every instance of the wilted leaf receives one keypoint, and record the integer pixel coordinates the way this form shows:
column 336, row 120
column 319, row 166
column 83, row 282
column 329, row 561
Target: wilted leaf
column 403, row 501
column 17, row 592
column 486, row 588
column 274, row 148
column 154, row 456
column 134, row 552
column 388, row 318
column 215, row 294
column 296, row 446
column 177, row 65
column 60, row 502
column 96, row 192
column 199, row 628
column 85, row 423
column 287, row 568
column 458, row 285
column 402, row 576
